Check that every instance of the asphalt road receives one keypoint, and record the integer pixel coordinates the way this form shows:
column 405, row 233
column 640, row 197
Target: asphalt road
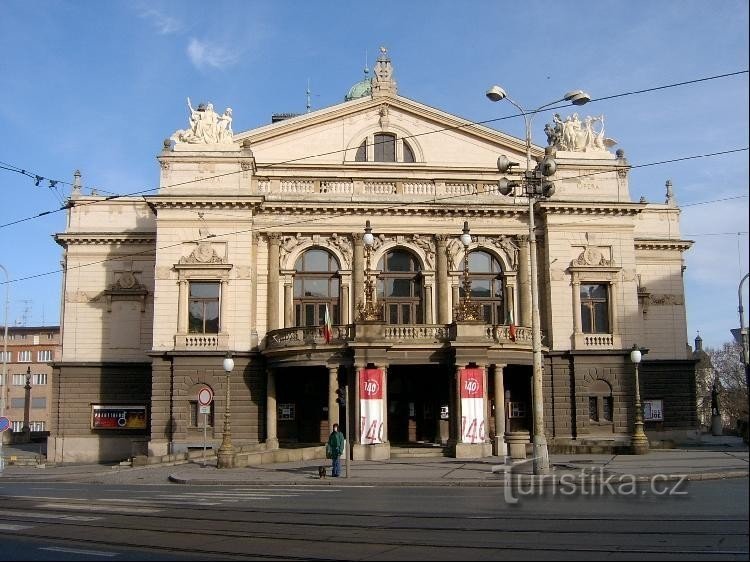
column 705, row 520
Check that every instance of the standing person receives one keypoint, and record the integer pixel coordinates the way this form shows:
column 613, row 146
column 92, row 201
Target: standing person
column 334, row 449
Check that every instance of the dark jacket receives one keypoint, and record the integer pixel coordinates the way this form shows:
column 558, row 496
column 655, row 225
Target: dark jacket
column 335, row 445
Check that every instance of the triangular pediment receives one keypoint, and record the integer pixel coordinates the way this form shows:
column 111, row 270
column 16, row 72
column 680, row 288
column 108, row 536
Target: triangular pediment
column 332, row 135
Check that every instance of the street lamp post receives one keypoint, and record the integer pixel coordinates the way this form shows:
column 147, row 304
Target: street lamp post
column 369, row 310
column 535, row 186
column 26, row 429
column 4, row 379
column 743, row 332
column 639, row 442
column 225, row 455
column 467, row 311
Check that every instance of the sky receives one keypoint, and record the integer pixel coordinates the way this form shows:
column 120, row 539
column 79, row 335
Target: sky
column 97, row 86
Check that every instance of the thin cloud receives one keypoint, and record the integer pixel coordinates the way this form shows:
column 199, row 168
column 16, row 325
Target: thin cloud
column 204, row 54
column 164, row 24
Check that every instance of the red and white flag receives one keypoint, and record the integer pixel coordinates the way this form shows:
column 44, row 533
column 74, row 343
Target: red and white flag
column 511, row 325
column 327, row 331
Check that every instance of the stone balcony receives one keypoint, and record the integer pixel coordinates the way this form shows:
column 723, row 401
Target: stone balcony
column 348, row 186
column 396, row 334
column 201, row 342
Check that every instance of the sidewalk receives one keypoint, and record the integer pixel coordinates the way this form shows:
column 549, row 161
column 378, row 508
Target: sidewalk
column 725, row 457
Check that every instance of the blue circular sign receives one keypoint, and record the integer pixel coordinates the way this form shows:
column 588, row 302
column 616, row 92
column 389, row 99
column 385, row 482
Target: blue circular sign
column 4, row 423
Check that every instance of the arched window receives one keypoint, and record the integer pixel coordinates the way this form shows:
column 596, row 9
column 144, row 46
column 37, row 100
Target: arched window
column 600, row 402
column 408, row 153
column 400, row 288
column 316, row 285
column 486, row 276
column 361, row 155
column 385, row 147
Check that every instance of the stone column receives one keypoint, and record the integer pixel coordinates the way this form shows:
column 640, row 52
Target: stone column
column 182, row 300
column 524, row 282
column 272, row 441
column 254, row 290
column 576, row 304
column 499, row 448
column 274, row 241
column 224, row 312
column 457, row 404
column 333, row 406
column 385, row 402
column 345, row 305
column 288, row 307
column 428, row 318
column 358, row 272
column 441, row 280
column 355, row 423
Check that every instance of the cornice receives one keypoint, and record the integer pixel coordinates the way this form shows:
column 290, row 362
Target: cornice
column 591, row 208
column 390, row 208
column 656, row 244
column 251, row 202
column 101, row 238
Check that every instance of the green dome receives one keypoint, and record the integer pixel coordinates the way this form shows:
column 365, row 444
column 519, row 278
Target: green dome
column 359, row 90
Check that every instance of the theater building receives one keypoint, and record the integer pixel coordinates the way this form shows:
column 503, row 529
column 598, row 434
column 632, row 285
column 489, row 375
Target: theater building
column 255, row 245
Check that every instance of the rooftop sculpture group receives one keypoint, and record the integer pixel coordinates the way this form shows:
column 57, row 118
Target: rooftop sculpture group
column 206, row 126
column 578, row 136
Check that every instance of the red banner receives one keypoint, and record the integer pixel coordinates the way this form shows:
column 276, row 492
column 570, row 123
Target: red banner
column 371, row 384
column 472, row 383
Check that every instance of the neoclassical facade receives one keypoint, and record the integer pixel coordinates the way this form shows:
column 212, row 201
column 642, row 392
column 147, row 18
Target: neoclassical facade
column 255, row 245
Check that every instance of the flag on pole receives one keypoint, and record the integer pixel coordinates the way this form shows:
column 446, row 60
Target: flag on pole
column 327, row 327
column 511, row 326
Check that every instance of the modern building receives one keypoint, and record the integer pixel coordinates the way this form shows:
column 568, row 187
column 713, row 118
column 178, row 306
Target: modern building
column 27, row 357
column 255, row 245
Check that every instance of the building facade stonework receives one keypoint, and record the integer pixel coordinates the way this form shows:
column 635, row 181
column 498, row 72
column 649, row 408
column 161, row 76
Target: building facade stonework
column 253, row 242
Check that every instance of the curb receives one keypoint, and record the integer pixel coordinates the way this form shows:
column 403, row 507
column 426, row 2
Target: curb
column 500, row 482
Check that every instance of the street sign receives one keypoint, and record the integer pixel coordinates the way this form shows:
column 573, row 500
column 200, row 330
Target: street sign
column 205, row 396
column 4, row 424
column 205, row 409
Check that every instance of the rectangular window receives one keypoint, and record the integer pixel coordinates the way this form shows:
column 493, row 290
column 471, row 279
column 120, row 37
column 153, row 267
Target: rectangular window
column 5, row 356
column 17, row 403
column 24, row 357
column 44, row 356
column 36, row 340
column 38, row 403
column 17, row 426
column 203, row 308
column 19, row 380
column 37, row 426
column 518, row 409
column 593, row 408
column 385, row 148
column 197, row 419
column 595, row 309
column 39, row 378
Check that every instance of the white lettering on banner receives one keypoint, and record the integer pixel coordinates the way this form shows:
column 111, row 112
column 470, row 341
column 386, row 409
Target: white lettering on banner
column 371, row 387
column 472, row 385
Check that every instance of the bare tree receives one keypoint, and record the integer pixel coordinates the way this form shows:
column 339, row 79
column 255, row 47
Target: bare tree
column 729, row 373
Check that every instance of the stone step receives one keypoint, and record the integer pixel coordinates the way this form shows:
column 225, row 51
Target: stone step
column 416, row 452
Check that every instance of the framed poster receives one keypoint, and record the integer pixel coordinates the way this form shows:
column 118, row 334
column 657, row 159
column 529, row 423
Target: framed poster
column 118, row 417
column 653, row 410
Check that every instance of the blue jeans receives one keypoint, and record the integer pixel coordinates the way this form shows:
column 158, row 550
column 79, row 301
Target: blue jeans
column 336, row 471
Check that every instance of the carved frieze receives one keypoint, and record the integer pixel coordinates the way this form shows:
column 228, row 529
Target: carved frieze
column 592, row 256
column 343, row 244
column 203, row 253
column 427, row 245
column 666, row 299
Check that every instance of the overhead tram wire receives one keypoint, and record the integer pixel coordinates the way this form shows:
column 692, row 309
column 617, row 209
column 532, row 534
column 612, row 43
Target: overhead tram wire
column 338, row 151
column 314, row 219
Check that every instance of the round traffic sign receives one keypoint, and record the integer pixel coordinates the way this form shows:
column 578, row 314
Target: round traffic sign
column 4, row 423
column 205, row 396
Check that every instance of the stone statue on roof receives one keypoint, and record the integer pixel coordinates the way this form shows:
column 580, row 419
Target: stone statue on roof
column 575, row 135
column 206, row 126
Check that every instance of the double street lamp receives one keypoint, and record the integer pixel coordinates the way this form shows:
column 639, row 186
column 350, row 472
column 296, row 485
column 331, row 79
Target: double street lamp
column 535, row 185
column 369, row 310
column 467, row 311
